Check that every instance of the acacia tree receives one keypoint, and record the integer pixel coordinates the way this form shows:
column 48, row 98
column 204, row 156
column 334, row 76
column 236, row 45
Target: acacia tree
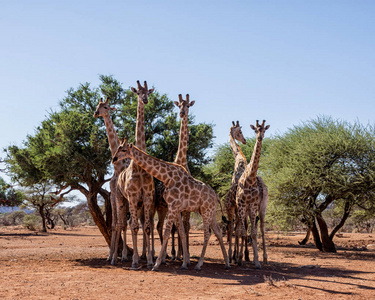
column 8, row 195
column 70, row 148
column 319, row 164
column 41, row 197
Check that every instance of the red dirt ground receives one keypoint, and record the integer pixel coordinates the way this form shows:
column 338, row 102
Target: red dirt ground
column 71, row 264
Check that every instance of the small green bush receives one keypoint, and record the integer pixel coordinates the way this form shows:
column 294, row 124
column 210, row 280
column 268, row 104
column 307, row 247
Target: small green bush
column 31, row 222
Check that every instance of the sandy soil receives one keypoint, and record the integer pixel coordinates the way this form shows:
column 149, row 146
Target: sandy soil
column 71, row 264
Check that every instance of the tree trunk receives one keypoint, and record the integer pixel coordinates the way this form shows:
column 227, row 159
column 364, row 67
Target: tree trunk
column 317, row 241
column 108, row 207
column 307, row 237
column 327, row 243
column 345, row 216
column 41, row 212
column 105, row 228
column 65, row 220
column 98, row 216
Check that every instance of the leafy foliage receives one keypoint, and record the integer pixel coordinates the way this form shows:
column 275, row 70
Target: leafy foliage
column 8, row 195
column 316, row 165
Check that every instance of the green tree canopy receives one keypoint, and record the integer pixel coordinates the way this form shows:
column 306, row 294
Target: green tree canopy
column 8, row 195
column 318, row 164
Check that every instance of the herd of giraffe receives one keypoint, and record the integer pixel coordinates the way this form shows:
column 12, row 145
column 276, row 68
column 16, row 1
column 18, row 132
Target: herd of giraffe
column 133, row 189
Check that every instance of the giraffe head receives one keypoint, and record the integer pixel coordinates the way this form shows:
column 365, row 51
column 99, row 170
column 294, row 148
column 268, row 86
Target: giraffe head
column 122, row 151
column 142, row 92
column 260, row 129
column 103, row 108
column 184, row 105
column 236, row 132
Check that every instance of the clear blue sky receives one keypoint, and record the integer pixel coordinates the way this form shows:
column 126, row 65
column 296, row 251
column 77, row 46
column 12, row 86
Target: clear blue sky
column 282, row 61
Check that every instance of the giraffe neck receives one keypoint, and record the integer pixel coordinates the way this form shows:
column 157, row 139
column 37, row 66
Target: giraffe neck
column 183, row 144
column 254, row 162
column 236, row 150
column 140, row 139
column 158, row 168
column 114, row 143
column 240, row 159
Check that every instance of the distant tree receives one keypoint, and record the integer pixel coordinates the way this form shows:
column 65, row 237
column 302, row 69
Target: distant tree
column 17, row 217
column 42, row 198
column 316, row 165
column 8, row 195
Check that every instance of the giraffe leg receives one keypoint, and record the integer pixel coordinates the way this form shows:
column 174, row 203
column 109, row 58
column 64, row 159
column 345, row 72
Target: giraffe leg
column 247, row 257
column 112, row 246
column 216, row 229
column 254, row 238
column 152, row 239
column 241, row 233
column 173, row 251
column 120, row 213
column 162, row 213
column 179, row 248
column 236, row 243
column 124, row 256
column 113, row 187
column 144, row 242
column 149, row 228
column 263, row 232
column 230, row 214
column 117, row 239
column 159, row 227
column 181, row 231
column 134, row 230
column 168, row 227
column 186, row 223
column 207, row 234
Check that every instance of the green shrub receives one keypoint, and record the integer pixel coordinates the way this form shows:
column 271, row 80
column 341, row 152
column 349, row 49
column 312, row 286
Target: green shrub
column 31, row 222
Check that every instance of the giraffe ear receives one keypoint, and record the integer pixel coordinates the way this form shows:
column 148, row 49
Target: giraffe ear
column 150, row 91
column 112, row 108
column 268, row 126
column 252, row 127
column 176, row 103
column 191, row 103
column 134, row 90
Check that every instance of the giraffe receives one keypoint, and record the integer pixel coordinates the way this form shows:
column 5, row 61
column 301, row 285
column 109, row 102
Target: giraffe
column 119, row 204
column 235, row 133
column 137, row 185
column 247, row 197
column 181, row 159
column 182, row 193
